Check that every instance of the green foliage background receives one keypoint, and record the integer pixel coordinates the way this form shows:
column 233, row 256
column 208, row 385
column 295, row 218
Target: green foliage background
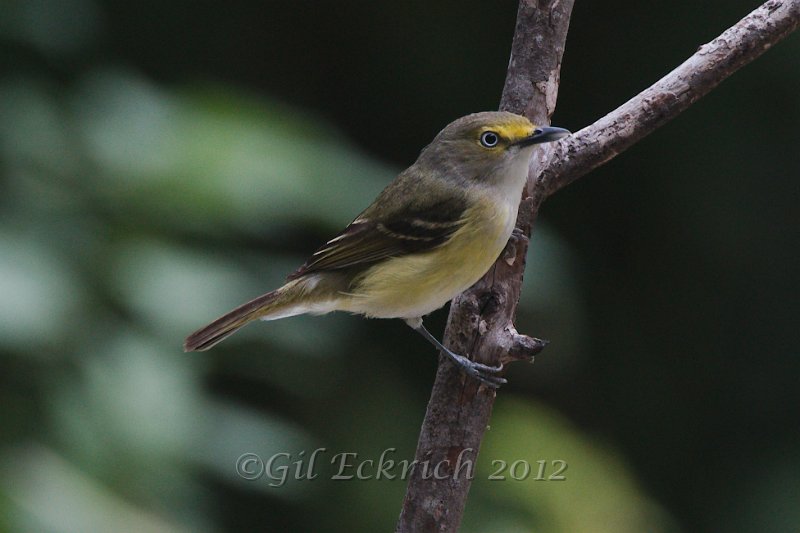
column 162, row 162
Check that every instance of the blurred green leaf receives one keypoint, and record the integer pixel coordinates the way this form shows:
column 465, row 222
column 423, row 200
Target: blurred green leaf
column 55, row 496
column 191, row 160
column 598, row 492
column 39, row 294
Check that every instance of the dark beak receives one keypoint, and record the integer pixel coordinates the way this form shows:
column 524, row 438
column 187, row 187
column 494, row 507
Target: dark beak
column 543, row 135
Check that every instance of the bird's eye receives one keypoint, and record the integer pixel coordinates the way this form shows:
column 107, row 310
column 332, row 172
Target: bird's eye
column 489, row 139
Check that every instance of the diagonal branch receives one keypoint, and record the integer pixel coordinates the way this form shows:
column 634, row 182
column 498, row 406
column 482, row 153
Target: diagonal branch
column 664, row 100
column 481, row 319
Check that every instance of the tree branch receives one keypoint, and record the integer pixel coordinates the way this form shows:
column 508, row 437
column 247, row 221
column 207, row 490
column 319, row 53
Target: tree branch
column 664, row 100
column 481, row 319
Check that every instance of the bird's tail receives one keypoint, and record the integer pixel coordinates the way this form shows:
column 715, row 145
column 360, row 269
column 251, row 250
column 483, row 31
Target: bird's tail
column 279, row 303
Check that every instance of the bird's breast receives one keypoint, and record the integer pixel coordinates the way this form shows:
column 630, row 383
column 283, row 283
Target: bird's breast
column 417, row 284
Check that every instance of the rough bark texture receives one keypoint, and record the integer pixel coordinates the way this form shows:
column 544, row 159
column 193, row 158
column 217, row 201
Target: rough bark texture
column 481, row 319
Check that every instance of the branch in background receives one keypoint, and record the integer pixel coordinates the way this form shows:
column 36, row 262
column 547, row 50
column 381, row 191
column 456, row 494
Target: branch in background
column 481, row 319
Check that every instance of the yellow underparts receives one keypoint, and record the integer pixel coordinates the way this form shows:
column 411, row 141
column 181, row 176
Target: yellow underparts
column 417, row 284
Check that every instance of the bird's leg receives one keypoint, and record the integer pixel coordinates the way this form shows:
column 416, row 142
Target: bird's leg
column 479, row 371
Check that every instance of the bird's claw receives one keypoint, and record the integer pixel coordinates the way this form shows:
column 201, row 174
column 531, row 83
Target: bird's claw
column 484, row 373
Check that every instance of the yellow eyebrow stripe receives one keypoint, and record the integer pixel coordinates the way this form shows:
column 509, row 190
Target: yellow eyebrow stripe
column 512, row 132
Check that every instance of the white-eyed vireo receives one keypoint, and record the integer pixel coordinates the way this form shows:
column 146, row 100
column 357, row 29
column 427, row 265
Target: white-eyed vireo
column 433, row 232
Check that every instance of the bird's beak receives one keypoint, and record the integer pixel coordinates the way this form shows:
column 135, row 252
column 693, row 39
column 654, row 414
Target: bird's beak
column 543, row 135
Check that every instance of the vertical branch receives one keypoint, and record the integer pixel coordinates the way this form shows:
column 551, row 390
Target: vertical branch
column 480, row 321
column 534, row 69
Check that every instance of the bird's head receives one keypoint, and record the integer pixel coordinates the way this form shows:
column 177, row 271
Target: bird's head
column 486, row 146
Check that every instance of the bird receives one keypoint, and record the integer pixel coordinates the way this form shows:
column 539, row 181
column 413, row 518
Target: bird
column 428, row 236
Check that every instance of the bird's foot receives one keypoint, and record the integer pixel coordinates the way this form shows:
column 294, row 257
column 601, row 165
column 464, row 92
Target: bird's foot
column 486, row 374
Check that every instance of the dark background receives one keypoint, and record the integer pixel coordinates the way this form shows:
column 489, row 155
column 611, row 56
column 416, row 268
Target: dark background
column 165, row 161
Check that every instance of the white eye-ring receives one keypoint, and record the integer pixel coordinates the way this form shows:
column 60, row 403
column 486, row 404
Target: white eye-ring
column 489, row 139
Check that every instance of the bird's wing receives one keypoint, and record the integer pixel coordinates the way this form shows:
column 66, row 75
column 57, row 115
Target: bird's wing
column 369, row 239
